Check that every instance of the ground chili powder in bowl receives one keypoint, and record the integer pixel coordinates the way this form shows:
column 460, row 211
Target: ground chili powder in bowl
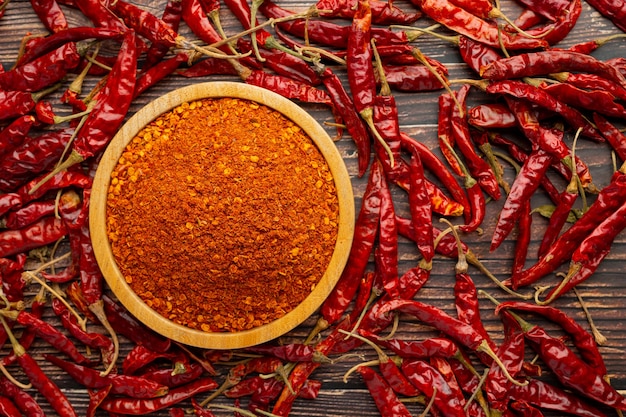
column 217, row 218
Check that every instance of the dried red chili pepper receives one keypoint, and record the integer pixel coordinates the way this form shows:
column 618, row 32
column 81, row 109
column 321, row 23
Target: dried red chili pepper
column 9, row 202
column 491, row 116
column 206, row 67
column 590, row 253
column 429, row 381
column 288, row 87
column 172, row 15
column 546, row 62
column 24, row 401
column 171, row 379
column 144, row 23
column 569, row 369
column 140, row 356
column 599, row 101
column 365, row 231
column 545, row 395
column 610, row 198
column 48, row 333
column 344, row 106
column 444, row 132
column 525, row 184
column 387, row 249
column 293, row 352
column 478, row 168
column 158, row 71
column 110, row 109
column 8, row 408
column 382, row 14
column 43, row 71
column 382, row 394
column 413, row 349
column 13, row 135
column 465, row 23
column 124, row 323
column 511, row 352
column 559, row 216
column 581, row 338
column 129, row 385
column 138, row 406
column 556, row 31
column 41, row 233
column 475, row 53
column 540, row 97
column 53, row 394
column 612, row 134
column 524, row 235
column 50, row 14
column 411, row 78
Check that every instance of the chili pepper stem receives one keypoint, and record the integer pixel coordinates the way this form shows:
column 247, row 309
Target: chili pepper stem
column 484, row 347
column 412, row 33
column 73, row 159
column 230, row 381
column 321, row 325
column 445, row 83
column 63, row 119
column 253, row 11
column 573, row 270
column 599, row 337
column 17, row 349
column 356, row 367
column 476, row 392
column 473, row 260
column 97, row 309
column 430, row 404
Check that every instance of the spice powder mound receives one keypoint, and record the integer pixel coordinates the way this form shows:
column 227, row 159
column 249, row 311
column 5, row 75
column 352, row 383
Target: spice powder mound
column 222, row 215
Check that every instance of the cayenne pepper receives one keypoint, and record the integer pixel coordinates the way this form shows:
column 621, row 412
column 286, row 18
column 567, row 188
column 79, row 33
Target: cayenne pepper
column 265, row 263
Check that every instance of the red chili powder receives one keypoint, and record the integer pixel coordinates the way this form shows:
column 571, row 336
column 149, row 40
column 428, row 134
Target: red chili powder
column 222, row 215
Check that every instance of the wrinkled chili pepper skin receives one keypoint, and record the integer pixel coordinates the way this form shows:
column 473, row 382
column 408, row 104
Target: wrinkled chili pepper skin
column 420, row 208
column 522, row 188
column 289, row 88
column 428, row 380
column 382, row 14
column 144, row 23
column 57, row 399
column 572, row 371
column 550, row 397
column 610, row 198
column 50, row 14
column 158, row 71
column 41, row 233
column 112, row 104
column 556, row 31
column 546, row 62
column 139, row 406
column 344, row 106
column 13, row 135
column 476, row 54
column 612, row 134
column 613, row 10
column 15, row 103
column 387, row 250
column 366, row 230
column 359, row 59
column 411, row 78
column 524, row 235
column 24, row 401
column 413, row 349
column 382, row 394
column 540, row 97
column 558, row 217
column 491, row 116
column 465, row 23
column 599, row 101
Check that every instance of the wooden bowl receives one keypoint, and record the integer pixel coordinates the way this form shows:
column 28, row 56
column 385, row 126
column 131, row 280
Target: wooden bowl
column 107, row 261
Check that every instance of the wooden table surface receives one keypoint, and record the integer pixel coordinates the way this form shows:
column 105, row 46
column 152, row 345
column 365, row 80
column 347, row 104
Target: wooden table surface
column 603, row 293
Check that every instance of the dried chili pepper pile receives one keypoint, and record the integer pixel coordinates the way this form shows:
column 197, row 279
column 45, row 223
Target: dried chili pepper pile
column 513, row 131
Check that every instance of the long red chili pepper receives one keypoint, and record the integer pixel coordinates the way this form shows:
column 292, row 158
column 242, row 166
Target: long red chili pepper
column 41, row 233
column 612, row 134
column 572, row 371
column 610, row 198
column 13, row 135
column 613, row 10
column 288, row 87
column 491, row 116
column 525, row 184
column 382, row 14
column 50, row 14
column 23, row 400
column 581, row 338
column 592, row 250
column 172, row 16
column 366, row 229
column 444, row 132
column 428, row 380
column 599, row 101
column 524, row 235
column 559, row 216
column 139, row 406
column 556, row 31
column 414, row 349
column 382, row 394
column 387, row 249
column 465, row 23
column 478, row 168
column 546, row 62
column 593, row 81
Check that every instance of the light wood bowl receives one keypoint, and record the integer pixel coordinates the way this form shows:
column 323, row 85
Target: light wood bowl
column 107, row 262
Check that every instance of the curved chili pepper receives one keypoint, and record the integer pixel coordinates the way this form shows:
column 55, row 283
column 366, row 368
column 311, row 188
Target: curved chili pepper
column 208, row 66
column 158, row 71
column 475, row 53
column 50, row 14
column 612, row 134
column 524, row 234
column 581, row 338
column 168, row 378
column 382, row 14
column 556, row 31
column 129, row 385
column 545, row 395
column 43, row 71
column 491, row 116
column 546, row 62
column 411, row 78
column 172, row 15
column 610, row 198
column 382, row 394
column 138, row 406
column 525, row 184
column 593, row 81
column 540, row 97
column 569, row 369
column 413, row 349
column 434, row 165
column 288, row 87
column 24, row 401
column 124, row 323
column 592, row 250
column 467, row 24
column 145, row 23
column 293, row 352
column 511, row 352
column 343, row 104
column 13, row 135
column 428, row 380
column 420, row 208
column 595, row 100
column 366, row 229
column 41, row 233
column 478, row 168
column 8, row 408
column 559, row 216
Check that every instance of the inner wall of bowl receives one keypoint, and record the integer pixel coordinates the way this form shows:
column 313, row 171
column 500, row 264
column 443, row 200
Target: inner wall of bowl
column 134, row 303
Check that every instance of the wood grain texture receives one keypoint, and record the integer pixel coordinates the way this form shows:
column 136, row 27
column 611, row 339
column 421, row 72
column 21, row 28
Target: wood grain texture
column 604, row 292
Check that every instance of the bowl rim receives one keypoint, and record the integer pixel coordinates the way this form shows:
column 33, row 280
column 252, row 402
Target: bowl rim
column 102, row 247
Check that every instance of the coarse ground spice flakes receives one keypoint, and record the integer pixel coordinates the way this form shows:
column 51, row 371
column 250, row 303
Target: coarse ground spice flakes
column 222, row 214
